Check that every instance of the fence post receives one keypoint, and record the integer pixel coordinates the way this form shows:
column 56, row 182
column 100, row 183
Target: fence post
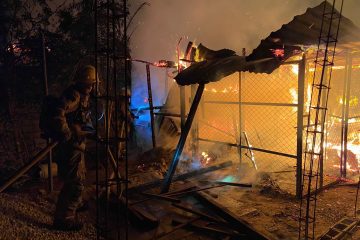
column 46, row 90
column 347, row 105
column 300, row 122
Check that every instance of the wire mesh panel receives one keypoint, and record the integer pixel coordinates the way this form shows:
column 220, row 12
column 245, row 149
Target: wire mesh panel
column 269, row 113
column 342, row 123
column 265, row 120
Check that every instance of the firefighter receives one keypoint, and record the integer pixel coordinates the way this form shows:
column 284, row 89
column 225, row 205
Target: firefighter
column 73, row 116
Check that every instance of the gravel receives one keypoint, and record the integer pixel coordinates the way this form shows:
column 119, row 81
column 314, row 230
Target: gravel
column 29, row 216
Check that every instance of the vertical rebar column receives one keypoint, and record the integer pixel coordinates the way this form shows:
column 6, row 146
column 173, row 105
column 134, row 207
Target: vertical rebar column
column 126, row 121
column 96, row 120
column 108, row 121
column 300, row 123
column 116, row 174
column 151, row 105
column 323, row 125
column 46, row 90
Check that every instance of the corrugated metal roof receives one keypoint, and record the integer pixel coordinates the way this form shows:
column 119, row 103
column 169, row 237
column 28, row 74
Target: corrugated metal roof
column 288, row 41
column 302, row 31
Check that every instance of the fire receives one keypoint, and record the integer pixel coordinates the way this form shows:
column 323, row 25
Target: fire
column 205, row 158
column 280, row 53
column 294, row 96
column 197, row 57
column 337, row 68
column 229, row 89
column 165, row 63
column 308, row 98
column 295, row 68
column 353, row 102
column 353, row 147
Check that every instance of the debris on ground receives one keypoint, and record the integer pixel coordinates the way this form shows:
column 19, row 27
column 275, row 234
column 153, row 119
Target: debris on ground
column 268, row 186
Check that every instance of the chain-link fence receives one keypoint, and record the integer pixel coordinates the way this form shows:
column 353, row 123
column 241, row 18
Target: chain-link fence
column 343, row 122
column 258, row 112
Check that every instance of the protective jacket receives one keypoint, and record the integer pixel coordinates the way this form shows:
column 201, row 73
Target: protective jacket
column 73, row 112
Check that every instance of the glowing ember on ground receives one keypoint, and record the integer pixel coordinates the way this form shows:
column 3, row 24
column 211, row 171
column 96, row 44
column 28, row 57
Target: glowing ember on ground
column 205, row 159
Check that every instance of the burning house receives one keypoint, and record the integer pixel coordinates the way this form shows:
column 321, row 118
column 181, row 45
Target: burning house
column 258, row 104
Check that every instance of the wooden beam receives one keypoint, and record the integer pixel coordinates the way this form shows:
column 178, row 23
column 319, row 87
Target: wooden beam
column 230, row 217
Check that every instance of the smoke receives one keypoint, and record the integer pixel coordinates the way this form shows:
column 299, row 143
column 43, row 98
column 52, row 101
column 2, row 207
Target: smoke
column 233, row 24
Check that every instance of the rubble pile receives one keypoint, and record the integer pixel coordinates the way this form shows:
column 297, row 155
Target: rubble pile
column 269, row 186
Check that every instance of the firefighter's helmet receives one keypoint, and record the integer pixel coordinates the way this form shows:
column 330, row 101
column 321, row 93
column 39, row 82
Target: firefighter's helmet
column 86, row 75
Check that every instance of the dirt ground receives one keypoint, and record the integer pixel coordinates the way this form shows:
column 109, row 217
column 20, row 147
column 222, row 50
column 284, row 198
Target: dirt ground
column 27, row 214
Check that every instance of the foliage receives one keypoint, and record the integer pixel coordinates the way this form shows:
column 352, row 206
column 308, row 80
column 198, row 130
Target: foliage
column 69, row 34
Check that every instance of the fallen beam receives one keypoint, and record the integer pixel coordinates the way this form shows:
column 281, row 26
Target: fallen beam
column 189, row 209
column 245, row 185
column 194, row 190
column 162, row 197
column 180, row 177
column 204, row 229
column 231, row 218
column 184, row 133
column 177, row 228
column 38, row 157
column 325, row 187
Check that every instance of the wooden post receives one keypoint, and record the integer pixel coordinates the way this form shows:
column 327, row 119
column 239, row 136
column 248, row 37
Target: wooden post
column 151, row 107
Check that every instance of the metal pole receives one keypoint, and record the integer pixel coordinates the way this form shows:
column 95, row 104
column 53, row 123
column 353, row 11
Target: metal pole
column 241, row 115
column 182, row 106
column 40, row 156
column 300, row 123
column 150, row 100
column 46, row 90
column 194, row 130
column 184, row 133
column 166, row 87
column 347, row 102
column 342, row 126
column 240, row 128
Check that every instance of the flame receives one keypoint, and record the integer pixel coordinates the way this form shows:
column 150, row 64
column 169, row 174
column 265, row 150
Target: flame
column 279, row 52
column 229, row 89
column 205, row 158
column 197, row 57
column 294, row 96
column 308, row 98
column 353, row 102
column 295, row 68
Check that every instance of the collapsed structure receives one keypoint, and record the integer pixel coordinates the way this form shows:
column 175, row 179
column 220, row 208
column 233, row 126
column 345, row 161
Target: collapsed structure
column 258, row 104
